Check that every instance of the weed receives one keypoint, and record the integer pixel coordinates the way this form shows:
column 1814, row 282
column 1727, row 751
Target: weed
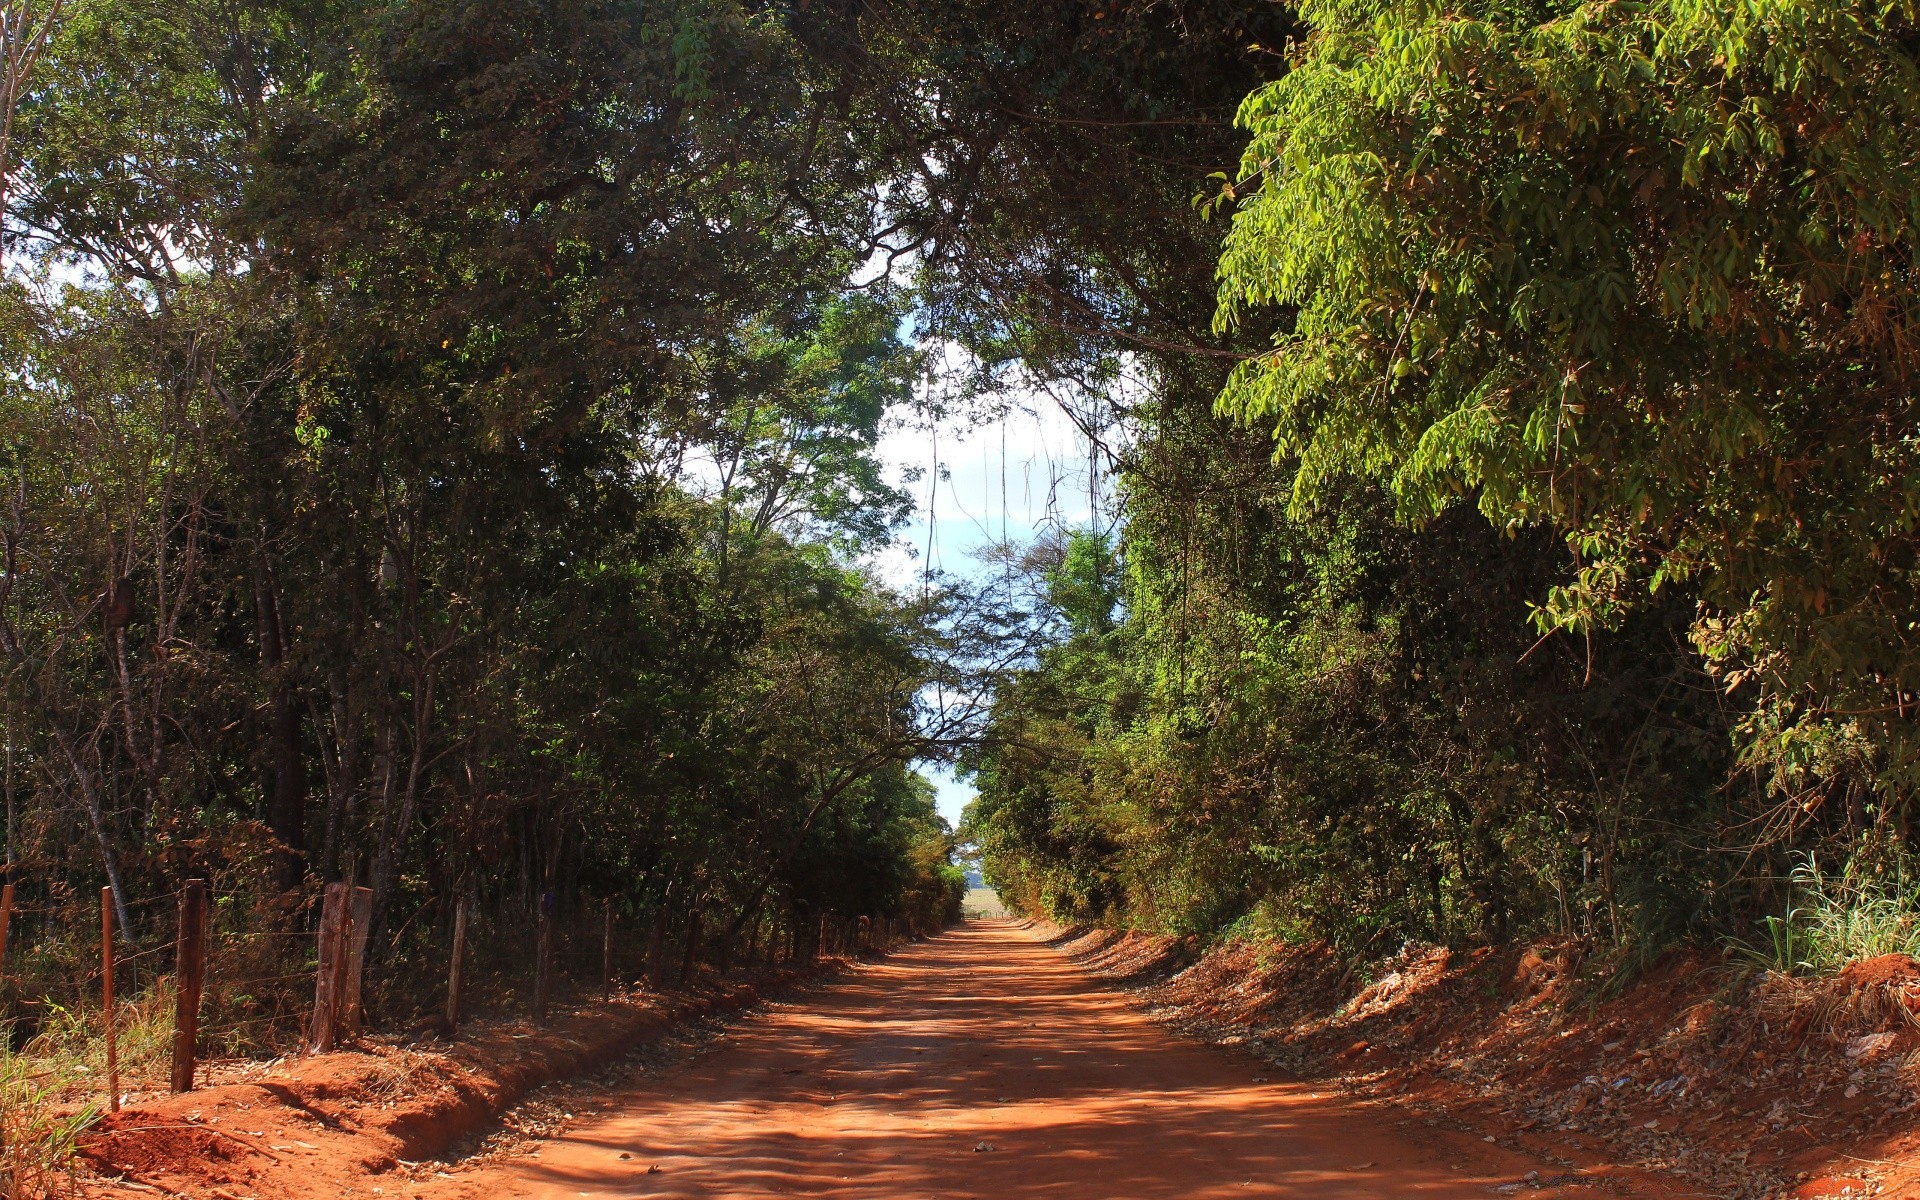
column 37, row 1137
column 1831, row 921
column 70, row 1051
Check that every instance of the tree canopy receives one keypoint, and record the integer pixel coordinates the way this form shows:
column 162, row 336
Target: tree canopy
column 440, row 448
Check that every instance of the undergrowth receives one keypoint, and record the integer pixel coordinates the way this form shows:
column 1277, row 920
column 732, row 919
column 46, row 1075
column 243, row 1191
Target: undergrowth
column 70, row 1049
column 1831, row 921
column 39, row 1128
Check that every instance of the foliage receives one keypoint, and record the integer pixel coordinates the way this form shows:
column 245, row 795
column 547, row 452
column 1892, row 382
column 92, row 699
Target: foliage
column 38, row 1130
column 1588, row 317
column 1642, row 273
column 438, row 443
column 1833, row 920
column 439, row 449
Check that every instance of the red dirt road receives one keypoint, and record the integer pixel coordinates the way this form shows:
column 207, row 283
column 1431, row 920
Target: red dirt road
column 983, row 1063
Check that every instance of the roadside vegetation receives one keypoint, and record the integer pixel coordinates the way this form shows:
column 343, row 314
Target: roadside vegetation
column 438, row 451
column 1545, row 566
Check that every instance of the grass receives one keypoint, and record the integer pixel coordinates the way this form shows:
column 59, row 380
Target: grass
column 52, row 1088
column 70, row 1049
column 39, row 1128
column 1831, row 921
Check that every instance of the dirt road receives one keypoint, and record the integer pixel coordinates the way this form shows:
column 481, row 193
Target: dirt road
column 984, row 1063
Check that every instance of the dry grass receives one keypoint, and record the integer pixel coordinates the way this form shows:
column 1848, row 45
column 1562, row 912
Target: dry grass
column 51, row 1090
column 1797, row 1007
column 38, row 1130
column 70, row 1050
column 403, row 1072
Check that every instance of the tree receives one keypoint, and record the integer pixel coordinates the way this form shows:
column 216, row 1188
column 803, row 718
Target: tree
column 1644, row 275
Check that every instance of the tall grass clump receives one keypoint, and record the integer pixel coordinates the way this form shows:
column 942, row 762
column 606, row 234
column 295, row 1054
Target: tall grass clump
column 39, row 1129
column 1833, row 920
column 70, row 1049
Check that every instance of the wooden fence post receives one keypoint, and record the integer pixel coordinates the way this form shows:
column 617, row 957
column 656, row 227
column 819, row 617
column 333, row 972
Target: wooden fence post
column 6, row 922
column 453, row 969
column 820, row 944
column 190, row 973
column 360, row 924
column 331, row 979
column 543, row 958
column 606, row 949
column 106, row 988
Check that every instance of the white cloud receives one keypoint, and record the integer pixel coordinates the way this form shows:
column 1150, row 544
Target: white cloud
column 1008, row 478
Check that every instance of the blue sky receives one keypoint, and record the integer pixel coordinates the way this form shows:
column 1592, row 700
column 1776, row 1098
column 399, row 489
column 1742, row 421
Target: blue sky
column 1011, row 477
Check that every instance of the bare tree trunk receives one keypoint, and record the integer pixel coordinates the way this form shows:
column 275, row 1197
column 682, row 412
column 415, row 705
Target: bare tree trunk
column 399, row 825
column 286, row 808
column 146, row 762
column 97, row 818
column 9, row 780
column 346, row 770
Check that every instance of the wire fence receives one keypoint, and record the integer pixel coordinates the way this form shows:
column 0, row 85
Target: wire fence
column 261, row 971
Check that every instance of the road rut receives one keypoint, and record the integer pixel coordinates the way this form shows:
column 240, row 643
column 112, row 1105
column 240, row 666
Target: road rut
column 984, row 1063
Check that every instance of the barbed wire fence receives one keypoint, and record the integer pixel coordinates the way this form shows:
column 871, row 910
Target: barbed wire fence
column 206, row 976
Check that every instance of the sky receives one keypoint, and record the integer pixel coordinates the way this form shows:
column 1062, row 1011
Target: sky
column 1012, row 477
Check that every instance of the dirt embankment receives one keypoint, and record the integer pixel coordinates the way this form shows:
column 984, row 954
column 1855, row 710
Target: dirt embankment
column 1750, row 1084
column 331, row 1124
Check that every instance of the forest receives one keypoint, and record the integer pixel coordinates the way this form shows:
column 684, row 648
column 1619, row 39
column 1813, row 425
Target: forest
column 1521, row 543
column 439, row 452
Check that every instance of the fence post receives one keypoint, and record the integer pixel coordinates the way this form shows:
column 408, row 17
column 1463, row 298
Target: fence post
column 360, row 918
column 106, row 988
column 606, row 949
column 453, row 969
column 190, row 972
column 6, row 922
column 820, row 944
column 331, row 979
column 543, row 958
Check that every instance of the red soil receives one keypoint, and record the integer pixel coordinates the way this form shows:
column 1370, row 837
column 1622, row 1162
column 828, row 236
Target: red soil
column 990, row 1063
column 1887, row 969
column 325, row 1126
column 984, row 1063
column 1746, row 1085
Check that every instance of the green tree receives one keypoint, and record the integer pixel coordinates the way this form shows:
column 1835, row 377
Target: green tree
column 1643, row 274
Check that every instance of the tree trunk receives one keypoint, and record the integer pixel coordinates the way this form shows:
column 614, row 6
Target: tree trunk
column 286, row 809
column 398, row 826
column 97, row 818
column 346, row 773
